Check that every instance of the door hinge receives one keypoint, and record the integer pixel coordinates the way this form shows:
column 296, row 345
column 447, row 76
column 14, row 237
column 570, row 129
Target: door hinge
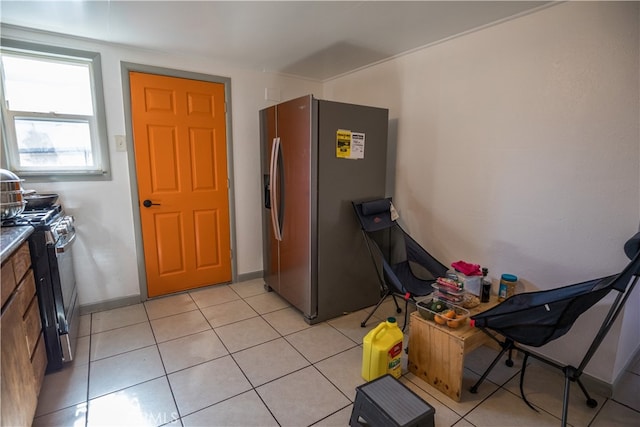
column 231, row 253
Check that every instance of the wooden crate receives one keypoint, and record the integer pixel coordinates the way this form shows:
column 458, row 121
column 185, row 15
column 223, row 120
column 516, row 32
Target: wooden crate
column 436, row 352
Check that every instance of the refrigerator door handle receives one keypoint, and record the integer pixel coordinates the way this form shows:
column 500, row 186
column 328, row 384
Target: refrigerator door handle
column 273, row 182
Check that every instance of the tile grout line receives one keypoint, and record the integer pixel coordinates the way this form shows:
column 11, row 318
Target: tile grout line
column 164, row 367
column 86, row 414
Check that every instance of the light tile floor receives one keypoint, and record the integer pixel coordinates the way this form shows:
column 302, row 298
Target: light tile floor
column 235, row 355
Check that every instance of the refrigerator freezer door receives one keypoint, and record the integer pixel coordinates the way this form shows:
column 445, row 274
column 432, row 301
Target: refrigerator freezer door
column 294, row 131
column 270, row 259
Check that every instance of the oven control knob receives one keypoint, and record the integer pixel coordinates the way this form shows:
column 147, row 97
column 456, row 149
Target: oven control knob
column 68, row 222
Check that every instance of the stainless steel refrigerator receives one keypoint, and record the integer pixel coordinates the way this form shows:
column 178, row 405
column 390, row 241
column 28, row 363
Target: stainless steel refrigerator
column 317, row 157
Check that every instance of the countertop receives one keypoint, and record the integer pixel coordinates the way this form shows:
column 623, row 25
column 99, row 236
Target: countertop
column 11, row 238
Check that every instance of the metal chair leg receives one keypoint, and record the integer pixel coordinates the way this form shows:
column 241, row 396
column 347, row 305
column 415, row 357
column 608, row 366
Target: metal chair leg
column 364, row 322
column 406, row 313
column 509, row 361
column 398, row 309
column 565, row 399
column 591, row 402
column 505, row 346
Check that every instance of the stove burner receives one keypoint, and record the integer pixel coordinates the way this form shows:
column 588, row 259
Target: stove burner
column 35, row 218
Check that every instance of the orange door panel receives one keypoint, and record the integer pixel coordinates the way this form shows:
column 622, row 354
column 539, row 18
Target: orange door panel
column 179, row 139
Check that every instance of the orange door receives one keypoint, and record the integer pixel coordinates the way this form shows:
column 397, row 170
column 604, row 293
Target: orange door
column 179, row 139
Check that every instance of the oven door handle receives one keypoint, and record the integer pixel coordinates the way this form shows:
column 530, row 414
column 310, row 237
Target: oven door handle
column 63, row 248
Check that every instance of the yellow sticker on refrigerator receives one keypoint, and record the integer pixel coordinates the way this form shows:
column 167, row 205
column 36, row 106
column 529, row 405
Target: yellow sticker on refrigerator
column 349, row 145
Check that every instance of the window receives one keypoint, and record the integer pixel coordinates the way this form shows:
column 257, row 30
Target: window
column 52, row 112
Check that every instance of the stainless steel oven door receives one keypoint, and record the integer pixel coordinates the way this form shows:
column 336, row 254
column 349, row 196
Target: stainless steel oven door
column 65, row 268
column 68, row 318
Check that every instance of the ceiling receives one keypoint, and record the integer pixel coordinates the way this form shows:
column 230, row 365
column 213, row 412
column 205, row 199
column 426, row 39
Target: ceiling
column 311, row 39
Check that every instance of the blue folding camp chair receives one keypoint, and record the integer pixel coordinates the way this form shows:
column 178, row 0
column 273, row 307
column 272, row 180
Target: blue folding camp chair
column 404, row 268
column 536, row 318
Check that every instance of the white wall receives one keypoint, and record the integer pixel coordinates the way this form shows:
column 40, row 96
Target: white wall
column 518, row 148
column 105, row 256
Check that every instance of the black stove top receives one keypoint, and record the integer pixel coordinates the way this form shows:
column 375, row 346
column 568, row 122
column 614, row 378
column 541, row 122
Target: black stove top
column 36, row 217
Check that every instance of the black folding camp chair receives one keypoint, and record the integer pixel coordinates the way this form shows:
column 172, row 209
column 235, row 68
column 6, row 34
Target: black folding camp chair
column 536, row 318
column 404, row 268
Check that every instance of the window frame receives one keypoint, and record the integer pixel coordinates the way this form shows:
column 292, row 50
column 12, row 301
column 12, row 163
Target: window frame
column 97, row 125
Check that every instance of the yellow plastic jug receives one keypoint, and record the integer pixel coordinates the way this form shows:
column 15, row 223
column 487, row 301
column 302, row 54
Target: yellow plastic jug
column 382, row 349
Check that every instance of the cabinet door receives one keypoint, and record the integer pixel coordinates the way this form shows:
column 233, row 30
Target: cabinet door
column 32, row 326
column 19, row 397
column 7, row 282
column 39, row 363
column 21, row 261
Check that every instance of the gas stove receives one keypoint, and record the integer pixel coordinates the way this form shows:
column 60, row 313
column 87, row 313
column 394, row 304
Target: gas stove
column 50, row 246
column 59, row 228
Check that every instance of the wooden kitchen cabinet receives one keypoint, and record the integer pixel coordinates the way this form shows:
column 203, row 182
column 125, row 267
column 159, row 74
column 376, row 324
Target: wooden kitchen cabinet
column 23, row 354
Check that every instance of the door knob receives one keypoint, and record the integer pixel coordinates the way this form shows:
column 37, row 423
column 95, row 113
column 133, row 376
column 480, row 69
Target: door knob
column 147, row 203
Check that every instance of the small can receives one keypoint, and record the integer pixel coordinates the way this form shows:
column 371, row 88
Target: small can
column 507, row 286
